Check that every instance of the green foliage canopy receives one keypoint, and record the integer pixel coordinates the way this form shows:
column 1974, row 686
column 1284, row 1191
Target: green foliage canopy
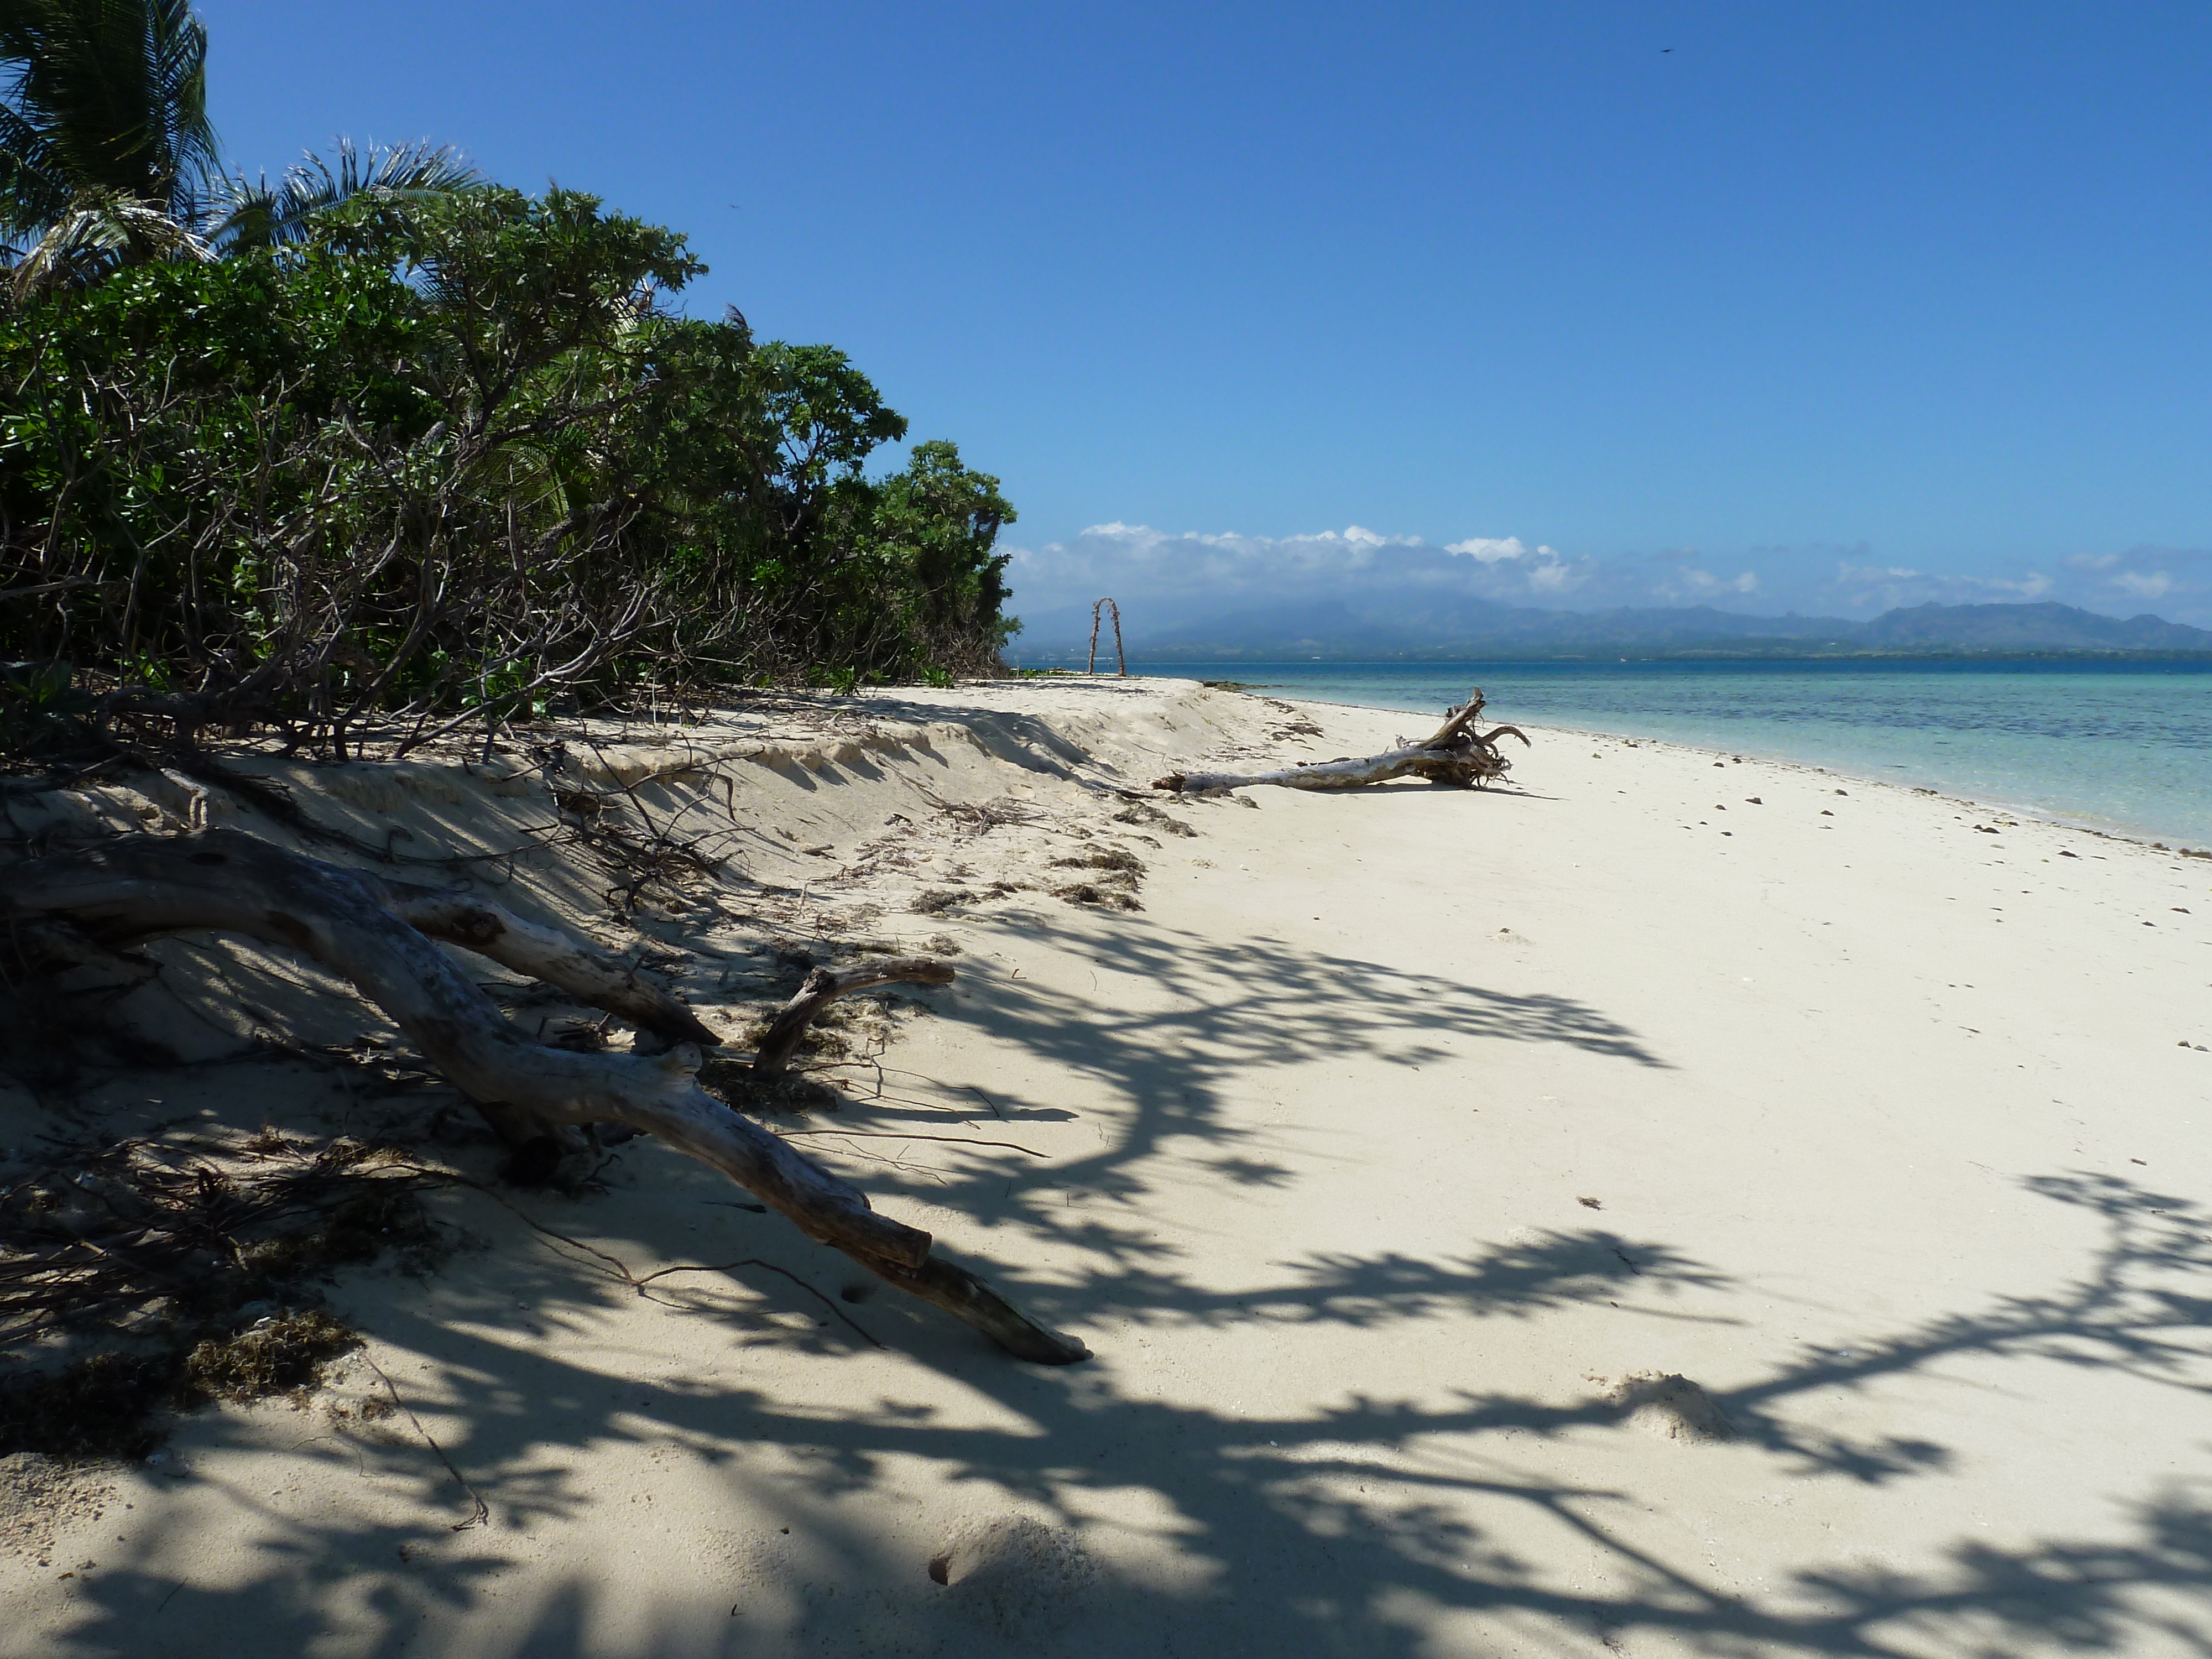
column 450, row 453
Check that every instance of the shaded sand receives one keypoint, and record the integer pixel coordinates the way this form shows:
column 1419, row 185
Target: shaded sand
column 1675, row 1208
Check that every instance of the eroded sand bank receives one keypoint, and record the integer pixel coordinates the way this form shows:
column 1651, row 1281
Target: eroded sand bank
column 1671, row 1207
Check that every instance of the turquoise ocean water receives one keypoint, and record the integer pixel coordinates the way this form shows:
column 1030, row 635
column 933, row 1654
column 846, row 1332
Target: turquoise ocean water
column 2124, row 747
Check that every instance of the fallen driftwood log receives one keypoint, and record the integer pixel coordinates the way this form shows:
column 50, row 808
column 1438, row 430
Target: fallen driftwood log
column 378, row 935
column 1457, row 754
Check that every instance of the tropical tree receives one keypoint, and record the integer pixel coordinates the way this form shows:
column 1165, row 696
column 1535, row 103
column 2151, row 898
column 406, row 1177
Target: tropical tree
column 107, row 157
column 103, row 97
column 262, row 214
column 385, row 447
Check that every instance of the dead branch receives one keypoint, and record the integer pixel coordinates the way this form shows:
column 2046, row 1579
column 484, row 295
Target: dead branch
column 546, row 953
column 1456, row 755
column 479, row 1514
column 1121, row 661
column 823, row 988
column 139, row 887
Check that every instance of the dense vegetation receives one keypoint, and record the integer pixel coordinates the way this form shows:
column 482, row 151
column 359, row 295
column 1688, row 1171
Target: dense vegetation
column 385, row 447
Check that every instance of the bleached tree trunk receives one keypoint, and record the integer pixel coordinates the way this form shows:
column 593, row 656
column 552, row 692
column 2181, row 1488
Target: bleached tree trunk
column 561, row 960
column 1456, row 755
column 139, row 887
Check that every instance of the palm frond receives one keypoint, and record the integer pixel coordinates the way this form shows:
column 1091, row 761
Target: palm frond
column 260, row 214
column 99, row 232
column 32, row 192
column 107, row 97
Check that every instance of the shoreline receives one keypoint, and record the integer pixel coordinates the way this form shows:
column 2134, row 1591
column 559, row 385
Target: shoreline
column 2109, row 829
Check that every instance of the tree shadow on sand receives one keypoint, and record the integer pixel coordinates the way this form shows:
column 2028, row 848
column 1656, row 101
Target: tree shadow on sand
column 1375, row 1526
column 1370, row 1527
column 1217, row 1017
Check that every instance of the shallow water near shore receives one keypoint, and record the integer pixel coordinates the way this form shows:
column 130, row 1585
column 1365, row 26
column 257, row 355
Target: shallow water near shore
column 2119, row 746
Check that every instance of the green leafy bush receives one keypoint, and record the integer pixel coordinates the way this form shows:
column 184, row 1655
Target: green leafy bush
column 452, row 457
column 40, row 705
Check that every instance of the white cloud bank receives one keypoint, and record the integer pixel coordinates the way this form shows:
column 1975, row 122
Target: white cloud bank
column 1489, row 550
column 1198, row 567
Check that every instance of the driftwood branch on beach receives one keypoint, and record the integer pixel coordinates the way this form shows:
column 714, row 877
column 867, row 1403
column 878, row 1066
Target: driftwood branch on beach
column 379, row 935
column 1457, row 754
column 543, row 953
column 773, row 1058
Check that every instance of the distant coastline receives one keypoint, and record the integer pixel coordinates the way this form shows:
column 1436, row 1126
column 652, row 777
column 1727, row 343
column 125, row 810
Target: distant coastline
column 1339, row 631
column 1795, row 651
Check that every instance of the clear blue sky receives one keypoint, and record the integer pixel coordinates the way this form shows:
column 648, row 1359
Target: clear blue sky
column 1919, row 288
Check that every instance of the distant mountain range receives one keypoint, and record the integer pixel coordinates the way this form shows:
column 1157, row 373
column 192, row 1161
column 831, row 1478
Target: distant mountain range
column 1458, row 627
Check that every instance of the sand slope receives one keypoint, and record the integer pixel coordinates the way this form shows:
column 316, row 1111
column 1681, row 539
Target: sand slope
column 1674, row 1208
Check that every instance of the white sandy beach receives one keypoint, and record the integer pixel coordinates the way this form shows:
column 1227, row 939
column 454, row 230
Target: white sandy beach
column 1671, row 1206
